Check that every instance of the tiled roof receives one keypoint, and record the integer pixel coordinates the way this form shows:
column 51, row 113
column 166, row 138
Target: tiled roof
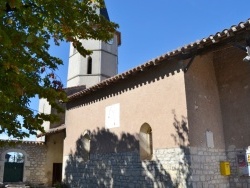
column 200, row 44
column 53, row 131
column 22, row 142
column 104, row 12
column 71, row 90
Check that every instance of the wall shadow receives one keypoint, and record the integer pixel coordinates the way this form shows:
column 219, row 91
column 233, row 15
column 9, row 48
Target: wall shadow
column 113, row 162
column 181, row 139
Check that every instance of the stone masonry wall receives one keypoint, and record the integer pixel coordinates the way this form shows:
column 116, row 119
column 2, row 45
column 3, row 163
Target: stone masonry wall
column 205, row 167
column 34, row 164
column 116, row 170
column 175, row 167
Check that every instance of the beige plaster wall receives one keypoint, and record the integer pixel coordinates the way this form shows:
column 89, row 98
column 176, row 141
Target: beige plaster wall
column 203, row 102
column 233, row 76
column 61, row 117
column 54, row 145
column 156, row 97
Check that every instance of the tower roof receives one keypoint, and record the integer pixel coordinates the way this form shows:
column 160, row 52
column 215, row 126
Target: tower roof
column 104, row 12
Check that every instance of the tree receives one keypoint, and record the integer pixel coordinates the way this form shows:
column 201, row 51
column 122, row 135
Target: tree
column 26, row 67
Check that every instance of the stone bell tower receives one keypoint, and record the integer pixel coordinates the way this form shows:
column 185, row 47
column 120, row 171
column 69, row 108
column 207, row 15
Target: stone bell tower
column 87, row 71
column 100, row 65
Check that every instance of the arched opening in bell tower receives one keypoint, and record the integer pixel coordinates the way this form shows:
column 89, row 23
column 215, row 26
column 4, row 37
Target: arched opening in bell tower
column 89, row 65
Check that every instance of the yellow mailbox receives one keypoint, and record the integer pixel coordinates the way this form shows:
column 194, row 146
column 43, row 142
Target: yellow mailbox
column 225, row 168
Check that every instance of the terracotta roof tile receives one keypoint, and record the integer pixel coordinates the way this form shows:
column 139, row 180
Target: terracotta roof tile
column 199, row 44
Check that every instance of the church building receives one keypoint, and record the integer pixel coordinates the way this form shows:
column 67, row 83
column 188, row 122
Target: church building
column 178, row 120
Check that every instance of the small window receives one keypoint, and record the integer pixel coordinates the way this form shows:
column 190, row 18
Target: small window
column 146, row 142
column 86, row 147
column 89, row 66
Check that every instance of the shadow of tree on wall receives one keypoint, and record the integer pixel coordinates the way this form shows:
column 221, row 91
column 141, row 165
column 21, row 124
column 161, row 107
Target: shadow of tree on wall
column 181, row 139
column 114, row 161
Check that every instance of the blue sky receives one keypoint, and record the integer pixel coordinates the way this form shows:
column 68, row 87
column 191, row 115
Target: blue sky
column 152, row 28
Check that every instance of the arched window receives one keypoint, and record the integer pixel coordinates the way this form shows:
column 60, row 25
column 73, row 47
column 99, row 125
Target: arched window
column 146, row 142
column 89, row 65
column 86, row 147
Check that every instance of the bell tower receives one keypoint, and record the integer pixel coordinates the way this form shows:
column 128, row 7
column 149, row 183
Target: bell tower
column 100, row 65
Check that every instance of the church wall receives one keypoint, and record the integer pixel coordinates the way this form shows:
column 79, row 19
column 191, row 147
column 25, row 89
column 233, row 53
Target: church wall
column 217, row 98
column 77, row 65
column 92, row 80
column 125, row 169
column 78, row 70
column 180, row 108
column 171, row 168
column 203, row 103
column 96, row 66
column 110, row 47
column 233, row 83
column 109, row 59
column 205, row 167
column 234, row 88
column 91, row 44
column 104, row 63
column 54, row 145
column 204, row 114
column 108, row 65
column 156, row 97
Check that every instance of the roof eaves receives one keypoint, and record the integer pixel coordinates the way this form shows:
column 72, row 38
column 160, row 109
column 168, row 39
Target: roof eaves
column 53, row 131
column 200, row 44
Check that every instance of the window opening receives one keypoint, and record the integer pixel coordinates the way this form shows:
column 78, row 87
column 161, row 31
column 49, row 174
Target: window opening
column 89, row 66
column 146, row 142
column 86, row 147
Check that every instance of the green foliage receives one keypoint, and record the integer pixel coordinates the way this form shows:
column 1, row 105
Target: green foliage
column 26, row 67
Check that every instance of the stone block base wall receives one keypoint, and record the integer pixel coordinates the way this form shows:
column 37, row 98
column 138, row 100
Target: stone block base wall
column 34, row 161
column 115, row 170
column 175, row 167
column 205, row 167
